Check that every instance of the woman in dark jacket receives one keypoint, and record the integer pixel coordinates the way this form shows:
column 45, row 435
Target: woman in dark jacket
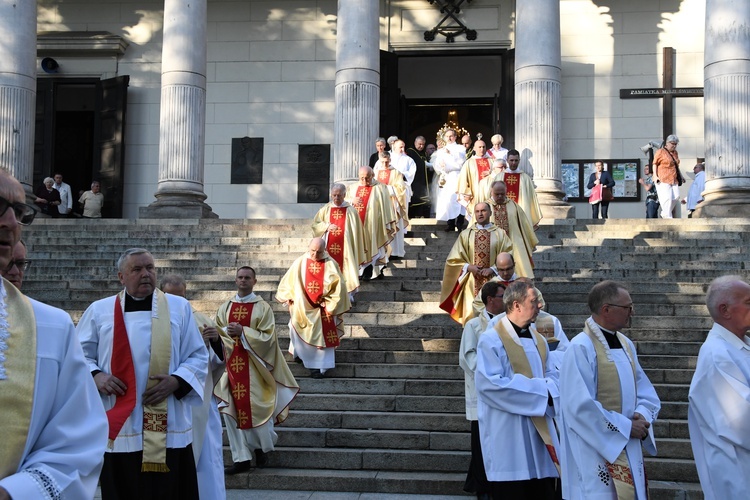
column 604, row 178
column 48, row 198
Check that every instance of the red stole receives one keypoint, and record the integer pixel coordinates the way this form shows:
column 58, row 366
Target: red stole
column 122, row 368
column 238, row 370
column 384, row 176
column 363, row 192
column 314, row 278
column 335, row 245
column 513, row 182
column 483, row 167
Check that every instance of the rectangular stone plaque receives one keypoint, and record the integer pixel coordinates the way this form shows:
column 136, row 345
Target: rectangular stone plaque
column 313, row 173
column 247, row 160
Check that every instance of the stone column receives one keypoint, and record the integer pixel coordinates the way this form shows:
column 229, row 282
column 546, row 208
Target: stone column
column 18, row 89
column 538, row 107
column 182, row 133
column 727, row 124
column 357, row 90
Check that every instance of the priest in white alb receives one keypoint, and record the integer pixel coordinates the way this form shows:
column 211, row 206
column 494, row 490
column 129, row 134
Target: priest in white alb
column 719, row 398
column 150, row 365
column 516, row 389
column 607, row 404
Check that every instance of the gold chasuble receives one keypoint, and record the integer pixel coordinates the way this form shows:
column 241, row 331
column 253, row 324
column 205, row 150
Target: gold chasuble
column 609, row 395
column 346, row 243
column 316, row 292
column 457, row 292
column 513, row 220
column 377, row 215
column 17, row 390
column 519, row 362
column 469, row 182
column 521, row 190
column 257, row 385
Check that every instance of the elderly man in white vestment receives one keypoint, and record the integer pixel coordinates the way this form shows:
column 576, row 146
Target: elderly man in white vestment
column 207, row 441
column 492, row 298
column 372, row 202
column 719, row 398
column 150, row 365
column 399, row 190
column 314, row 290
column 338, row 223
column 607, row 404
column 54, row 425
column 516, row 390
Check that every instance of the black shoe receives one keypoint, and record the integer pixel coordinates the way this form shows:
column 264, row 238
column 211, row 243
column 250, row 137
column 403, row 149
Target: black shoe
column 367, row 273
column 298, row 360
column 261, row 459
column 395, row 257
column 237, row 468
column 461, row 223
column 315, row 373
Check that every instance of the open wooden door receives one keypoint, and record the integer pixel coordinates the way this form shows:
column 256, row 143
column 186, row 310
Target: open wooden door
column 109, row 130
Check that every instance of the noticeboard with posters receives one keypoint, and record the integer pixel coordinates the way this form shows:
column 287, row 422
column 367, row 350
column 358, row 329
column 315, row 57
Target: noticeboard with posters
column 575, row 177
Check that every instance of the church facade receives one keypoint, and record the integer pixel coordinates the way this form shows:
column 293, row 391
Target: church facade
column 250, row 109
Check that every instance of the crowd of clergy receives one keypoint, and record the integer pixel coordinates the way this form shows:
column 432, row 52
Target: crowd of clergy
column 133, row 396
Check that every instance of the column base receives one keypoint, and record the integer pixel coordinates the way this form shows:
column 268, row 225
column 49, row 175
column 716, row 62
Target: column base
column 553, row 207
column 734, row 203
column 177, row 205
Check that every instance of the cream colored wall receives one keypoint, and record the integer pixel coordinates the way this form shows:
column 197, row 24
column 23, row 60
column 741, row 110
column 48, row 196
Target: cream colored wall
column 271, row 70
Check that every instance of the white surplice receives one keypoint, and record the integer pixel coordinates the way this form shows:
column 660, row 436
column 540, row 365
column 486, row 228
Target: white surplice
column 719, row 415
column 467, row 359
column 589, row 434
column 64, row 449
column 512, row 448
column 189, row 361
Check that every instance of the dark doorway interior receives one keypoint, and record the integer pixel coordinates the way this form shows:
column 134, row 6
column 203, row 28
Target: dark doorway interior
column 426, row 117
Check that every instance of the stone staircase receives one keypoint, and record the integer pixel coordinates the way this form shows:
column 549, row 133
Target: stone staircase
column 390, row 419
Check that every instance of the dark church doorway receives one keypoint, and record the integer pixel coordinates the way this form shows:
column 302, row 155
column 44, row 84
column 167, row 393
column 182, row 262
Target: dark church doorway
column 420, row 89
column 79, row 133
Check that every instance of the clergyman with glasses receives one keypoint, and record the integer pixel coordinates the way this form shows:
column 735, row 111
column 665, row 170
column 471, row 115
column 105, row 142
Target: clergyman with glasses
column 55, row 428
column 17, row 265
column 607, row 402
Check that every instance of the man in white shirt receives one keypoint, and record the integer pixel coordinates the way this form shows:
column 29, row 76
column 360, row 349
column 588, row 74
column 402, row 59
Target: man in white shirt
column 719, row 398
column 66, row 196
column 696, row 188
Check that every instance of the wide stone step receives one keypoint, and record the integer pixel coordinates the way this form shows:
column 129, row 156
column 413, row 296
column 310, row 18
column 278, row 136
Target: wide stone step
column 373, row 438
column 373, row 481
column 379, row 420
column 382, row 403
column 671, row 428
column 376, row 387
column 674, row 448
column 671, row 469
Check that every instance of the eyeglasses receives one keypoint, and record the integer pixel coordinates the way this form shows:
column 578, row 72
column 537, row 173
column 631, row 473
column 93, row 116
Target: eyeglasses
column 24, row 213
column 631, row 306
column 21, row 264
